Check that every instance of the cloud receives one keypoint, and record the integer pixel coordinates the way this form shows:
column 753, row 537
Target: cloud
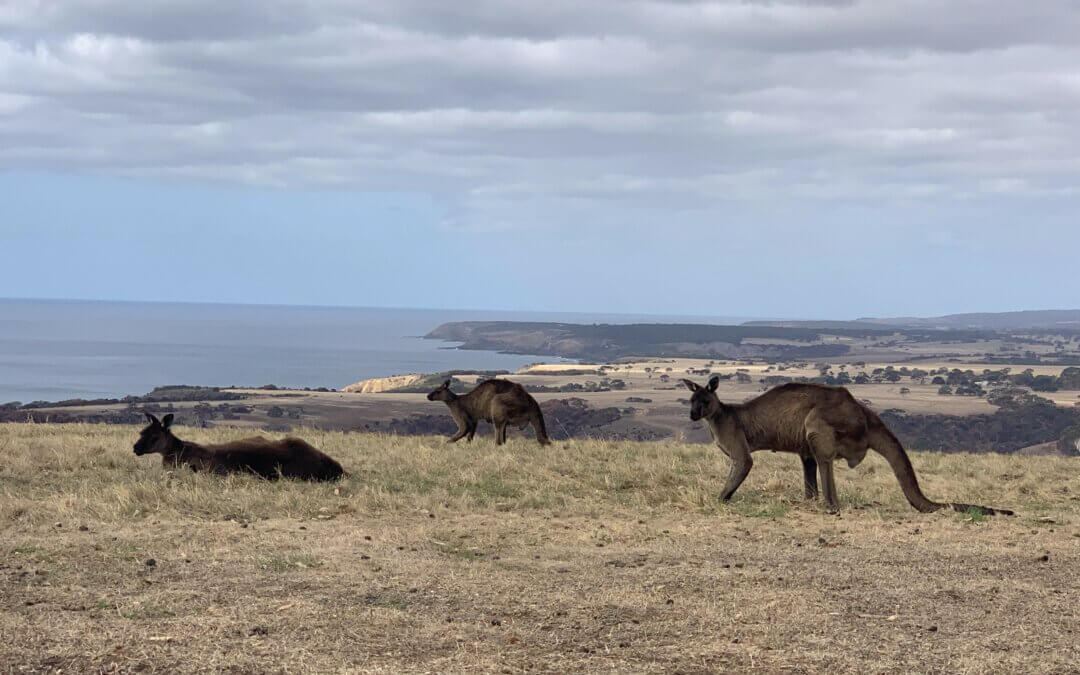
column 602, row 112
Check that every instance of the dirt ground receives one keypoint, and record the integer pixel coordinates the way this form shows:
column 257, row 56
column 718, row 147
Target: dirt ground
column 579, row 557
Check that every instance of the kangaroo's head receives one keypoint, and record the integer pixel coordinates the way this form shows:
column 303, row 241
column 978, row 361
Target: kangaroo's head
column 443, row 393
column 156, row 437
column 704, row 401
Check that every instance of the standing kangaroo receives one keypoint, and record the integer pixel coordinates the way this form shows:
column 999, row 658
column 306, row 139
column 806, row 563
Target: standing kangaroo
column 500, row 402
column 818, row 423
column 288, row 458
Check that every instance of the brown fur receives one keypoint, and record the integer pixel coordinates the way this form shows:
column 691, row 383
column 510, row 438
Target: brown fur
column 500, row 402
column 816, row 422
column 287, row 458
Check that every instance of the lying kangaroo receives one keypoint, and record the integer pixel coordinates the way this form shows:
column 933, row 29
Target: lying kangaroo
column 818, row 423
column 500, row 402
column 289, row 457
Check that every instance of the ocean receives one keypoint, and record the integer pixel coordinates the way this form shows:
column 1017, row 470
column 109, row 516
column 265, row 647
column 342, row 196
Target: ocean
column 52, row 350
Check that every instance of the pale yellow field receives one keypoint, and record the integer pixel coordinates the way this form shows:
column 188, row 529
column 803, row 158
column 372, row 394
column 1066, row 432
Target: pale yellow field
column 579, row 557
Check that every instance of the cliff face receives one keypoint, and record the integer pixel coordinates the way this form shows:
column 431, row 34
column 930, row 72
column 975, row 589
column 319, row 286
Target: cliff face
column 380, row 384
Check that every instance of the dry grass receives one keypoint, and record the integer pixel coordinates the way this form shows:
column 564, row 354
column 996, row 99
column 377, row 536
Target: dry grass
column 586, row 556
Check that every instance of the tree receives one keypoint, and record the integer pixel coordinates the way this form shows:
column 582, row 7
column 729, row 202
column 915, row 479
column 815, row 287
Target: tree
column 1044, row 383
column 1023, row 379
column 969, row 389
column 1070, row 378
column 957, row 376
column 945, row 390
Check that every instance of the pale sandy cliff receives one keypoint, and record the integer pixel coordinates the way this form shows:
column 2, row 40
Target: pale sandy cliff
column 380, row 384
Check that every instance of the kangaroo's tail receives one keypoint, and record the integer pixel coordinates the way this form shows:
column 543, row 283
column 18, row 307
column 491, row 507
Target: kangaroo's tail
column 540, row 427
column 885, row 443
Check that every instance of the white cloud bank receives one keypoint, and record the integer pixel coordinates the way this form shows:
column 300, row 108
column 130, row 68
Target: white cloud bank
column 555, row 113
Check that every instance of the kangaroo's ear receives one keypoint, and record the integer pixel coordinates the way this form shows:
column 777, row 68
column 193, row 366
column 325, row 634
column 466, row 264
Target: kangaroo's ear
column 691, row 385
column 167, row 421
column 714, row 382
column 447, row 383
column 151, row 419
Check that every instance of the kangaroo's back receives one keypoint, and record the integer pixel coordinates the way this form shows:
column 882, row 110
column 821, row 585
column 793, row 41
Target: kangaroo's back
column 480, row 400
column 290, row 457
column 310, row 463
column 778, row 417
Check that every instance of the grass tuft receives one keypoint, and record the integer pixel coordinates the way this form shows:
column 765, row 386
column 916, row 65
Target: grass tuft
column 288, row 562
column 973, row 515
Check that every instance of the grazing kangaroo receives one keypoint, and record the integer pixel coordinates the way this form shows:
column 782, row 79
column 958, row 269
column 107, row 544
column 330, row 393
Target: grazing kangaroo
column 289, row 457
column 500, row 402
column 818, row 423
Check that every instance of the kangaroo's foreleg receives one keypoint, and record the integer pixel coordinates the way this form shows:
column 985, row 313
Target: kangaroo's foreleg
column 461, row 432
column 810, row 484
column 821, row 438
column 739, row 471
column 828, row 485
column 741, row 463
column 732, row 442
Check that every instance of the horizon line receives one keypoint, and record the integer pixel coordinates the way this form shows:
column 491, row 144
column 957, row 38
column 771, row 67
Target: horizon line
column 743, row 318
column 386, row 307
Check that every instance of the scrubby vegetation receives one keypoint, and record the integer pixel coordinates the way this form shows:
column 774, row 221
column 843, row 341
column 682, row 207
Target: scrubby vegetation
column 608, row 342
column 173, row 393
column 589, row 386
column 1022, row 420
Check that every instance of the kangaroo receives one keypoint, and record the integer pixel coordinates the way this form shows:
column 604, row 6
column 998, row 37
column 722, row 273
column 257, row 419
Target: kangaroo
column 288, row 458
column 816, row 422
column 500, row 402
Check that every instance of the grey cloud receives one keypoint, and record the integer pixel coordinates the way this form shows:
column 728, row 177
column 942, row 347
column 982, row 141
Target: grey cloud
column 157, row 21
column 608, row 111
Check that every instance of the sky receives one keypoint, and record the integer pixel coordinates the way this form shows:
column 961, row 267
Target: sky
column 802, row 159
